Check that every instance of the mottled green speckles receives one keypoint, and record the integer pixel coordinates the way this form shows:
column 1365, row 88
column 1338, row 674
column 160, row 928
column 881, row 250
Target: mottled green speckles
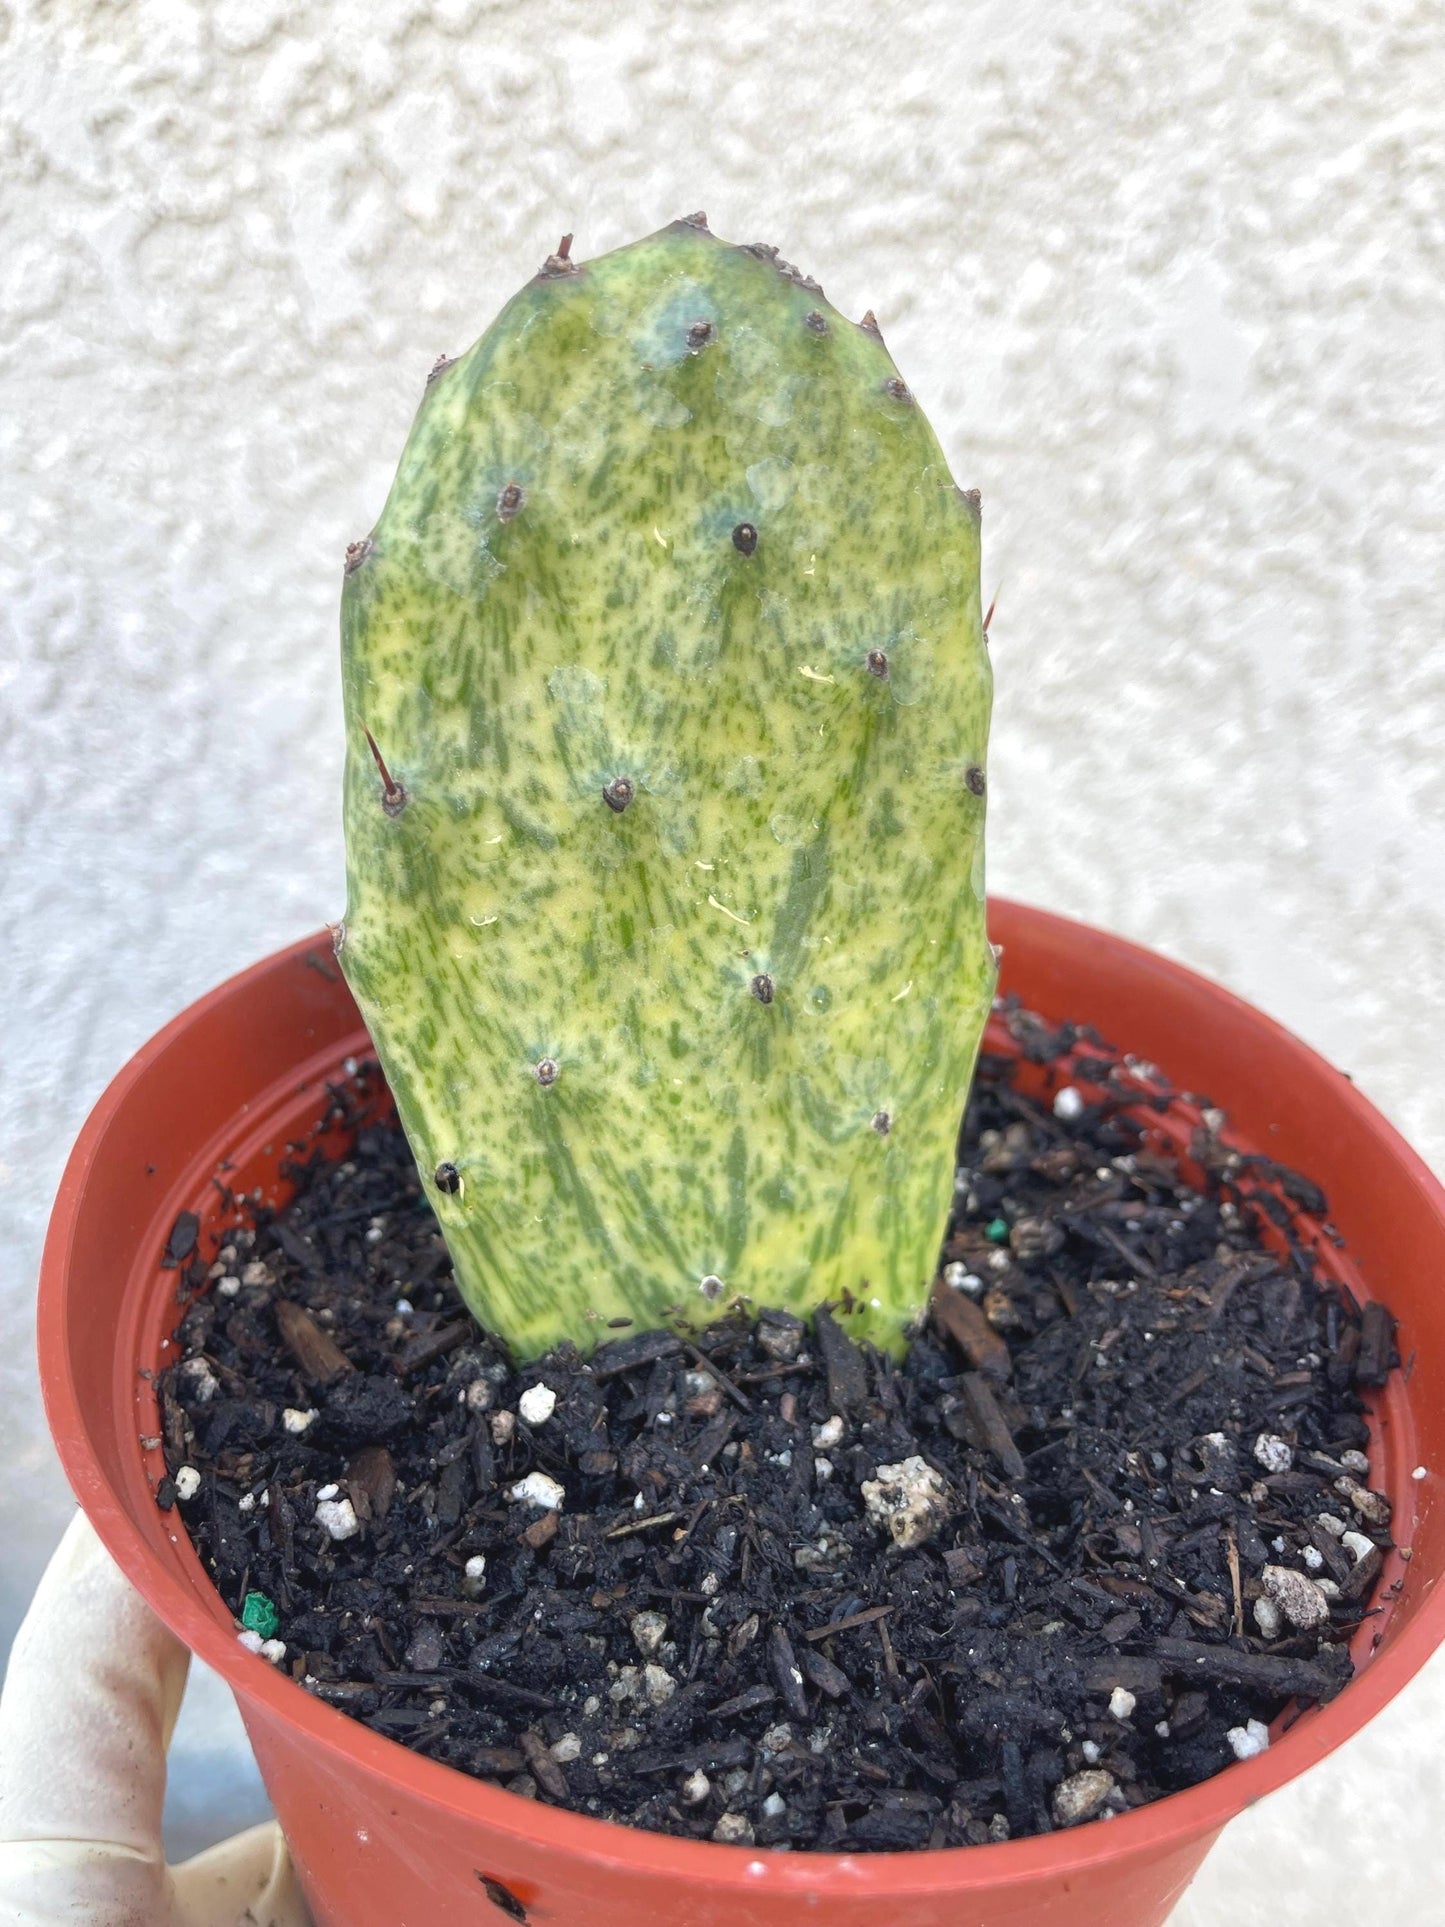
column 884, row 821
column 665, row 880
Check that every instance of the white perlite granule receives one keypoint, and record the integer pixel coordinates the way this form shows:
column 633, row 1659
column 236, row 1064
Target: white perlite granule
column 649, row 1630
column 1297, row 1596
column 1273, row 1452
column 538, row 1490
column 338, row 1517
column 1082, row 1795
column 537, row 1404
column 909, row 1499
column 1247, row 1741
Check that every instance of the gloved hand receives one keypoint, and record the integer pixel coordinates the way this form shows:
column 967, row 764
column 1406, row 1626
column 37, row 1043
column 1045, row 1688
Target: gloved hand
column 91, row 1697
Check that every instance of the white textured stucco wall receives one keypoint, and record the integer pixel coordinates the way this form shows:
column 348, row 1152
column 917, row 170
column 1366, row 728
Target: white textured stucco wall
column 1167, row 278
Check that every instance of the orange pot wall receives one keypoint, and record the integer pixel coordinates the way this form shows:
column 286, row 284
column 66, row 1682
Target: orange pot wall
column 421, row 1869
column 385, row 1839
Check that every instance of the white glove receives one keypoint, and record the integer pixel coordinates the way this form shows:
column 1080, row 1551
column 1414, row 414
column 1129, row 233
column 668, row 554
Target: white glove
column 91, row 1697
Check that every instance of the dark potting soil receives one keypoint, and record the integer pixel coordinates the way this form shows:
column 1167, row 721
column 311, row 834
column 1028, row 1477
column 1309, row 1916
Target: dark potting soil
column 1110, row 1487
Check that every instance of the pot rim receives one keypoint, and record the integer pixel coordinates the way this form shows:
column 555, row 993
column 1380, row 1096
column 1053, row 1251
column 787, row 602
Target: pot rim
column 1196, row 1811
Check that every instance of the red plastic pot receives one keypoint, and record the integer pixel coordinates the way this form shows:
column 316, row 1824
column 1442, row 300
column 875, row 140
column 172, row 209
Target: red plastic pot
column 385, row 1839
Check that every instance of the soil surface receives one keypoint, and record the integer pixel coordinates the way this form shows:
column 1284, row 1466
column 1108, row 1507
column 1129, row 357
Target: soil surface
column 759, row 1585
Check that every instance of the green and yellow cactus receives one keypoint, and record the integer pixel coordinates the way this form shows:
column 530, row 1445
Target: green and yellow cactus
column 667, row 699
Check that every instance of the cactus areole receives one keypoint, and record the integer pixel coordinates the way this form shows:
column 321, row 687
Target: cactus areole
column 667, row 698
